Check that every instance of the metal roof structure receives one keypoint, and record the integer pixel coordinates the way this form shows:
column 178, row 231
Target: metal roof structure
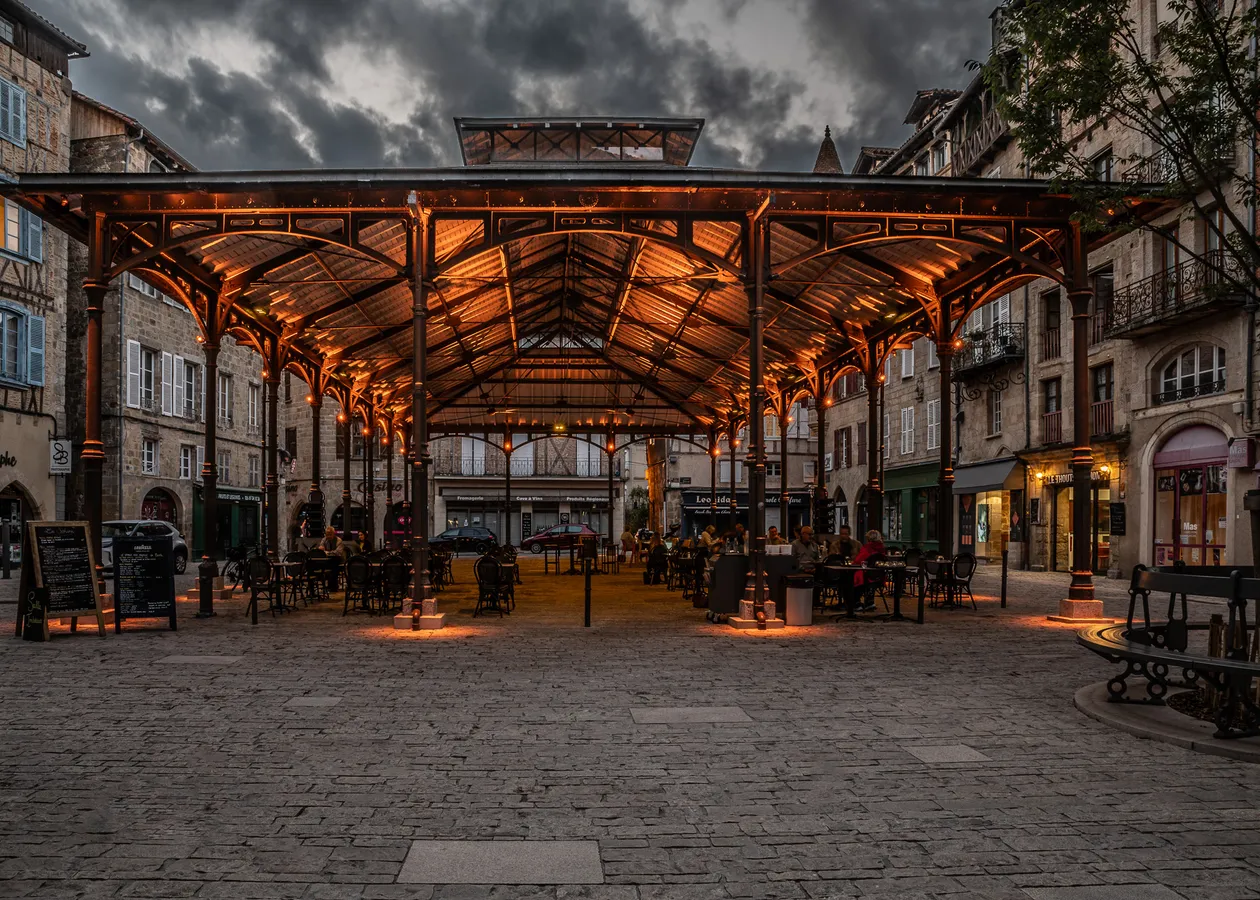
column 601, row 297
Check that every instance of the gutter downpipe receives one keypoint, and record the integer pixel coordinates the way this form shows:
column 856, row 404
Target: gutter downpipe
column 1249, row 419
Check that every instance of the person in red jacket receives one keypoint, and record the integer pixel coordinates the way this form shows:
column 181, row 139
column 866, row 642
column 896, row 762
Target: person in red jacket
column 872, row 549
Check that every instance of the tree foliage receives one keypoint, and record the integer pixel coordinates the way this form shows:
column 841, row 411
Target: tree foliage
column 637, row 508
column 1188, row 89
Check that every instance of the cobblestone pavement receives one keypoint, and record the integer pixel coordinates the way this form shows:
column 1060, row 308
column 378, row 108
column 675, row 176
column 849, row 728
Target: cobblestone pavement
column 130, row 770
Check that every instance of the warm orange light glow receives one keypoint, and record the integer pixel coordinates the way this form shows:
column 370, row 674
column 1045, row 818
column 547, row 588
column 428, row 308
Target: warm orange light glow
column 341, row 417
column 882, row 378
column 957, row 343
column 200, row 339
column 366, row 431
column 1104, row 469
column 1041, row 475
column 310, row 398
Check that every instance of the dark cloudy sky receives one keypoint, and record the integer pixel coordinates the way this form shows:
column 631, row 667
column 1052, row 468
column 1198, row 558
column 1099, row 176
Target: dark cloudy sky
column 292, row 83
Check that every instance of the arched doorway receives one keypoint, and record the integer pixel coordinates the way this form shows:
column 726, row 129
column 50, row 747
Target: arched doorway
column 16, row 508
column 840, row 506
column 1191, row 498
column 358, row 518
column 160, row 504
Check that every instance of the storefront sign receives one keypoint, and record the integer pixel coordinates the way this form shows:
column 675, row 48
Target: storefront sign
column 1068, row 477
column 527, row 523
column 58, row 577
column 1118, row 519
column 564, row 518
column 1242, row 453
column 59, row 457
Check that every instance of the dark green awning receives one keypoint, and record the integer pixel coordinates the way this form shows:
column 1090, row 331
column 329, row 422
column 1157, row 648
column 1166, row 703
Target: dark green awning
column 991, row 476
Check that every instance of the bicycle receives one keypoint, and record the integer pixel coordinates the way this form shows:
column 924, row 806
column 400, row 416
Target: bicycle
column 237, row 566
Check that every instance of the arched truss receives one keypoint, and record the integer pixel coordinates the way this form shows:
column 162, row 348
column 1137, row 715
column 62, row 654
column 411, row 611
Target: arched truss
column 632, row 285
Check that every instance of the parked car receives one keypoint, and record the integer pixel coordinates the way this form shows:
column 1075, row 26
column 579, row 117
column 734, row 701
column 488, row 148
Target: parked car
column 558, row 536
column 142, row 528
column 474, row 538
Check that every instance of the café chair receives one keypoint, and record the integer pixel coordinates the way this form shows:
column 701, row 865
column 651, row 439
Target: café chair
column 830, row 584
column 964, row 569
column 318, row 574
column 490, row 594
column 358, row 585
column 293, row 579
column 395, row 582
column 262, row 585
column 936, row 588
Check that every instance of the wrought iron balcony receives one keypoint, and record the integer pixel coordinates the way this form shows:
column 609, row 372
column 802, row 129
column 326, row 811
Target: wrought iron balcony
column 1204, row 389
column 1181, row 293
column 455, row 465
column 1161, row 167
column 1001, row 344
column 1102, row 418
column 1052, row 427
column 973, row 149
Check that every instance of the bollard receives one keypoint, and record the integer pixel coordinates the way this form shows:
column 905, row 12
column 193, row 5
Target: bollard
column 586, row 566
column 1005, row 556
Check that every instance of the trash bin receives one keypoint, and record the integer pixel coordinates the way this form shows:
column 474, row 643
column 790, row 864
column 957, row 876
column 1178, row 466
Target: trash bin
column 799, row 600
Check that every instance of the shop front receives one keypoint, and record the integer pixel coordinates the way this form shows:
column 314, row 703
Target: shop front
column 533, row 510
column 1191, row 498
column 989, row 498
column 239, row 514
column 1053, row 514
column 910, row 503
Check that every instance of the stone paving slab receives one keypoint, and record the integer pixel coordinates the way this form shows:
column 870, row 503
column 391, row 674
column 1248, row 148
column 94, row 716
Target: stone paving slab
column 687, row 715
column 502, row 862
column 949, row 753
column 123, row 777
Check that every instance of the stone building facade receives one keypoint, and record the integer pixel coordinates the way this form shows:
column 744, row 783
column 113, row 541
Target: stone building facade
column 35, row 101
column 154, row 373
column 1171, row 363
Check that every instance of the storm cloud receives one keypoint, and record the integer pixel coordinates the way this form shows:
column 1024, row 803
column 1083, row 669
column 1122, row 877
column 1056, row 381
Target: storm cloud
column 259, row 84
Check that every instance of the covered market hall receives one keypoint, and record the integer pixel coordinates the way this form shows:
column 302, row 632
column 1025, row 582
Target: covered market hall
column 574, row 276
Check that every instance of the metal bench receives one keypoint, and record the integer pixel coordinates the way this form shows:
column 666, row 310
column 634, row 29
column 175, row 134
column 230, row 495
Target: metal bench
column 1149, row 649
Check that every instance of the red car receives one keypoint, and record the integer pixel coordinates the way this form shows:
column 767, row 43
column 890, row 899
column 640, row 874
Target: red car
column 558, row 536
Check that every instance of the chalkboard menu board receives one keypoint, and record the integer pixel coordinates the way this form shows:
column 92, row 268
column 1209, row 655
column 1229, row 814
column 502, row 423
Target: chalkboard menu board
column 1118, row 521
column 144, row 579
column 58, row 576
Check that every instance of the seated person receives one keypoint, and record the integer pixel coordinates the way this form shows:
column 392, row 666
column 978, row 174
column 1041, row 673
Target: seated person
column 773, row 538
column 657, row 562
column 872, row 550
column 805, row 550
column 844, row 545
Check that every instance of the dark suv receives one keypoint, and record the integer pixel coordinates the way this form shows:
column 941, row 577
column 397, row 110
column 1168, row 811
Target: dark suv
column 474, row 538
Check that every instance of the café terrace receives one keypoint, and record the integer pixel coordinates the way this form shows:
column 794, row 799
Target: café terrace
column 574, row 276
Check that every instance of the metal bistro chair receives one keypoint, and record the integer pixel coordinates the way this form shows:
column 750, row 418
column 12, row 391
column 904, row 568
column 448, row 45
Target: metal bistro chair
column 934, row 585
column 830, row 584
column 876, row 581
column 695, row 583
column 317, row 568
column 964, row 569
column 489, row 589
column 673, row 570
column 396, row 581
column 293, row 580
column 358, row 585
column 262, row 586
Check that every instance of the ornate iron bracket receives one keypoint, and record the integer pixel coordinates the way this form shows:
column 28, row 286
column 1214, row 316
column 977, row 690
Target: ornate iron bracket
column 992, row 381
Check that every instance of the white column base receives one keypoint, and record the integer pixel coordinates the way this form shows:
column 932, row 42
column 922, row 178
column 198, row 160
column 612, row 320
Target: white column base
column 404, row 622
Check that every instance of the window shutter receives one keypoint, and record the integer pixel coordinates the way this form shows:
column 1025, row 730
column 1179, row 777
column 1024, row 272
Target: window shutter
column 33, row 235
column 35, row 350
column 178, row 400
column 166, row 384
column 201, row 377
column 6, row 107
column 133, row 374
column 201, row 461
column 863, row 435
column 19, row 115
column 1003, row 310
column 907, row 363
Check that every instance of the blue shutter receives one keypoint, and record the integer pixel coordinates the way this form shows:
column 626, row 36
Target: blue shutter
column 32, row 236
column 19, row 116
column 6, row 108
column 35, row 350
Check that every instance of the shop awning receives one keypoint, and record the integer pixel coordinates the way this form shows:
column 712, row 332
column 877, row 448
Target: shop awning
column 925, row 475
column 990, row 476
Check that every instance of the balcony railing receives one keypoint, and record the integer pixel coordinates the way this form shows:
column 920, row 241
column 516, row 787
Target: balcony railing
column 492, row 466
column 973, row 148
column 1177, row 294
column 1206, row 389
column 1161, row 166
column 1102, row 418
column 1001, row 344
column 1051, row 348
column 1052, row 427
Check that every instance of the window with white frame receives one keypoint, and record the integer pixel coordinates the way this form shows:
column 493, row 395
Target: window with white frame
column 995, row 413
column 225, row 466
column 773, row 469
column 6, row 31
column 185, row 388
column 146, row 378
column 255, row 470
column 724, row 471
column 907, row 362
column 254, row 407
column 590, row 455
column 885, row 437
column 186, row 456
column 139, row 284
column 888, row 367
column 225, row 399
column 21, row 346
column 938, row 158
column 12, row 113
column 149, row 456
column 934, row 361
column 934, row 424
column 1196, row 371
column 23, row 233
column 907, row 430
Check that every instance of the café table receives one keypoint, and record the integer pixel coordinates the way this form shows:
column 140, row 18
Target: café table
column 287, row 577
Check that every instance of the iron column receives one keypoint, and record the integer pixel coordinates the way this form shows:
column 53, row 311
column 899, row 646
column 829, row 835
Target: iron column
column 784, row 500
column 273, row 455
column 1080, row 601
column 874, row 487
column 945, row 477
column 756, row 405
column 209, row 569
column 347, row 423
